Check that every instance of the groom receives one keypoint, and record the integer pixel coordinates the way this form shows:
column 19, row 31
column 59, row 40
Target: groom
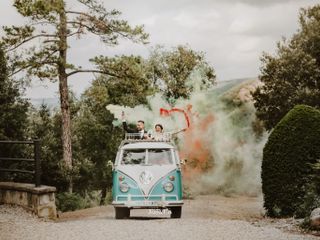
column 140, row 131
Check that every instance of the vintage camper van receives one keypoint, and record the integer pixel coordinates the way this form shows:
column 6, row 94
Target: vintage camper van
column 147, row 174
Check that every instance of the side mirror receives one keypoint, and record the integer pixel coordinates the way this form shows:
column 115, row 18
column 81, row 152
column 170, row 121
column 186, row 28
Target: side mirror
column 183, row 161
column 110, row 164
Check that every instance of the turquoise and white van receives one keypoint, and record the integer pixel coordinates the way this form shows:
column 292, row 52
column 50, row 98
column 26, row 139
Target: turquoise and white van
column 147, row 174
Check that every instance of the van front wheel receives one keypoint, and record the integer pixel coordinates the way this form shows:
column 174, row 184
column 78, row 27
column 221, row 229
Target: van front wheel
column 122, row 212
column 175, row 212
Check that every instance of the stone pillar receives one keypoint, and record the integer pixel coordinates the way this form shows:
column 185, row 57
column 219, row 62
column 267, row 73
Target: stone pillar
column 40, row 200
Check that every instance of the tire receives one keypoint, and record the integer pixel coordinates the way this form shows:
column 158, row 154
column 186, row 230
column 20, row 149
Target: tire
column 122, row 212
column 176, row 212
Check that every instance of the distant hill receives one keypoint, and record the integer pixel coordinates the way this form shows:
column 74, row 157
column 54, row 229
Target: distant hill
column 225, row 86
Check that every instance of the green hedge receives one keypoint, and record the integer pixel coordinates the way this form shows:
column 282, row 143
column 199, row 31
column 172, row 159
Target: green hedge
column 287, row 172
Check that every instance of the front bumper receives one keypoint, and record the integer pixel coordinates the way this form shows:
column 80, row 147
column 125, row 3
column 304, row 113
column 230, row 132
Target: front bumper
column 152, row 201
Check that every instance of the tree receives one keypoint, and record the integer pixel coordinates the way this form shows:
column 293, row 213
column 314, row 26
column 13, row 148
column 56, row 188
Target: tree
column 52, row 24
column 44, row 125
column 13, row 119
column 98, row 138
column 287, row 167
column 13, row 109
column 292, row 76
column 129, row 90
column 170, row 71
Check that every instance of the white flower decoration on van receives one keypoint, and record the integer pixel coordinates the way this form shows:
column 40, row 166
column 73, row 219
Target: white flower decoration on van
column 146, row 177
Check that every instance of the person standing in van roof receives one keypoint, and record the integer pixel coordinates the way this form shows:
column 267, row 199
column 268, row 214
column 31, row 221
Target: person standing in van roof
column 158, row 134
column 140, row 131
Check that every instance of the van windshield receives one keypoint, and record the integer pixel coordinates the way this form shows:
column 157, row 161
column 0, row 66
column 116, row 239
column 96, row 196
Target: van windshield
column 159, row 156
column 134, row 156
column 139, row 157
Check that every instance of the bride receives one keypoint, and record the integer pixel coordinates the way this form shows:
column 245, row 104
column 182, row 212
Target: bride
column 160, row 135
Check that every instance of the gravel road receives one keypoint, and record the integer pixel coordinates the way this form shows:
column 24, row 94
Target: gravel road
column 207, row 217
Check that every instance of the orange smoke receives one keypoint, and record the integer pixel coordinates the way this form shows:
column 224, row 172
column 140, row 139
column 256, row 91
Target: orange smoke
column 195, row 143
column 195, row 147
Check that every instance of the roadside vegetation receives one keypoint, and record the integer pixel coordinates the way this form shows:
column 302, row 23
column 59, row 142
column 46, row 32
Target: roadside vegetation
column 291, row 157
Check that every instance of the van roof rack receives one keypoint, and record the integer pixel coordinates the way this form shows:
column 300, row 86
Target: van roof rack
column 136, row 137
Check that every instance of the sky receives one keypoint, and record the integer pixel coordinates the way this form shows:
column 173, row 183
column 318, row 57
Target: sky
column 233, row 34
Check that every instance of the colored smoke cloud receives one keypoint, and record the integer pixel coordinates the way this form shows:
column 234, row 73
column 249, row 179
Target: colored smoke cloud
column 224, row 143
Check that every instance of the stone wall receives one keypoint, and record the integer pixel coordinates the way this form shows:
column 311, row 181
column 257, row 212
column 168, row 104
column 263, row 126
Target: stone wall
column 40, row 200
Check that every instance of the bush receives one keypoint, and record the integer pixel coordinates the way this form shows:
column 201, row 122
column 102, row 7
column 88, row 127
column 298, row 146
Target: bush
column 287, row 167
column 70, row 202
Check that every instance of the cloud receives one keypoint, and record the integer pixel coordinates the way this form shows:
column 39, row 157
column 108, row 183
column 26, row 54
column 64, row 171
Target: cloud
column 232, row 33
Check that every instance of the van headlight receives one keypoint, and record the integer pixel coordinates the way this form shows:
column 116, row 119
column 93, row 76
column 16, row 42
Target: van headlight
column 124, row 187
column 168, row 187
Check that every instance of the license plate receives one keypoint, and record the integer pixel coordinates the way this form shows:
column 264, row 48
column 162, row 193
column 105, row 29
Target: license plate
column 145, row 203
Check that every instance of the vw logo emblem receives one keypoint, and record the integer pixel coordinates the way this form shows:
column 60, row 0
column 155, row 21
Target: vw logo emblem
column 146, row 177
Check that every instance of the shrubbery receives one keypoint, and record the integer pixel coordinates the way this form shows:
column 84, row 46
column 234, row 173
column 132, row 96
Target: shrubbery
column 289, row 182
column 73, row 201
column 70, row 202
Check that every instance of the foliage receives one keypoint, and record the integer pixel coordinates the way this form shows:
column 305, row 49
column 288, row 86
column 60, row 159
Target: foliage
column 70, row 202
column 287, row 172
column 13, row 122
column 98, row 141
column 292, row 76
column 170, row 71
column 130, row 89
column 97, row 137
column 13, row 109
column 316, row 168
column 95, row 141
column 310, row 200
column 45, row 126
column 74, row 201
column 39, row 48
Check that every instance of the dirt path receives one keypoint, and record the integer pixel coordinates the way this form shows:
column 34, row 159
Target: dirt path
column 207, row 217
column 204, row 207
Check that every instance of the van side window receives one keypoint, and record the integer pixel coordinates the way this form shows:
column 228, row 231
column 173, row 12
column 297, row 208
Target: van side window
column 134, row 156
column 159, row 156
